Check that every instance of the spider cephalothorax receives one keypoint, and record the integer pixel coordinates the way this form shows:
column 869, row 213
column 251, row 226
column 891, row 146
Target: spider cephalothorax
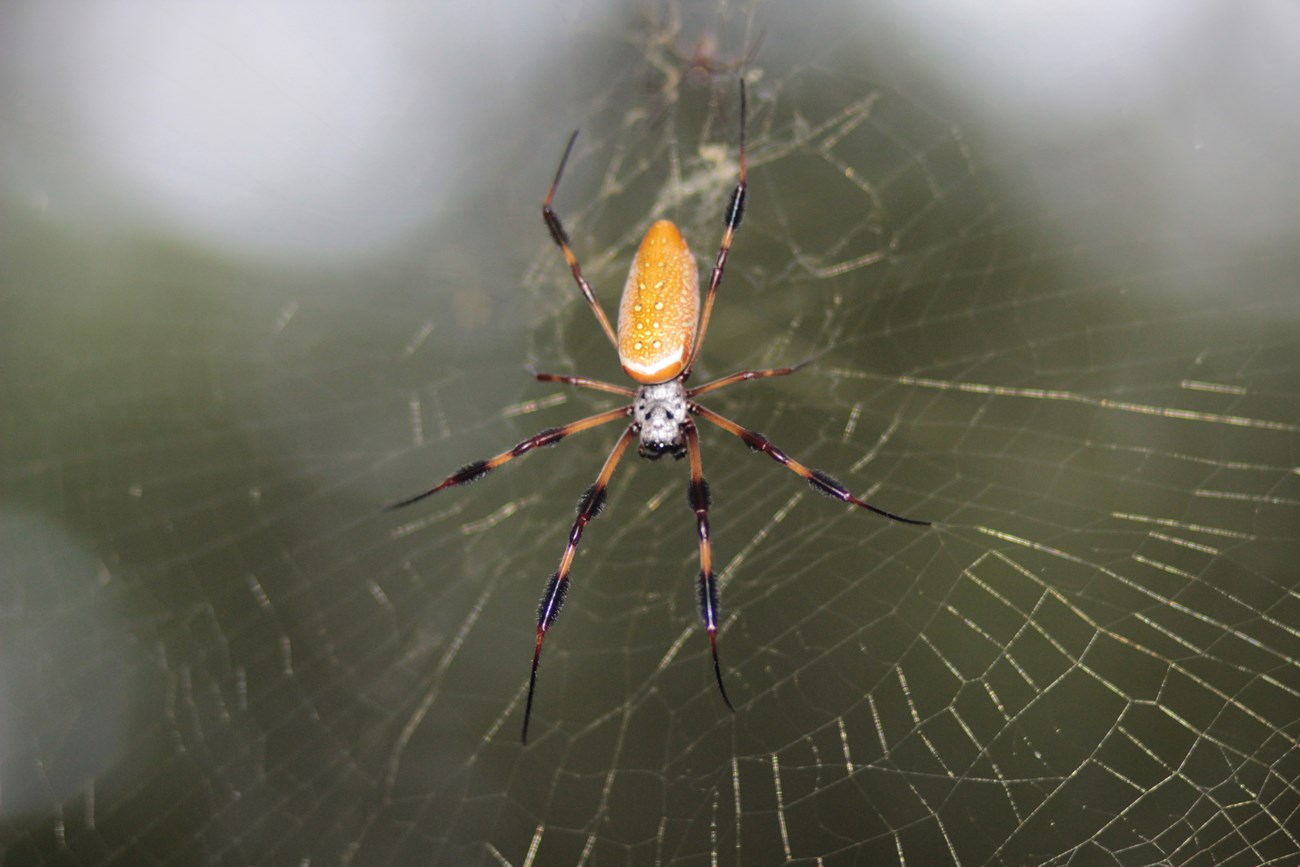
column 659, row 413
column 660, row 332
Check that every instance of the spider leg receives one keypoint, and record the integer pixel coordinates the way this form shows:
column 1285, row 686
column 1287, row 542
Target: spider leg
column 553, row 598
column 583, row 381
column 820, row 481
column 699, row 497
column 741, row 376
column 562, row 241
column 477, row 470
column 735, row 211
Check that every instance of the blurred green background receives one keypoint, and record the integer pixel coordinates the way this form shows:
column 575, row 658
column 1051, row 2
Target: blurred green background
column 265, row 268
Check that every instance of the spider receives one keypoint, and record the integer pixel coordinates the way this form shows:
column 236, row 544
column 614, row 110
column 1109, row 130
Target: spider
column 657, row 343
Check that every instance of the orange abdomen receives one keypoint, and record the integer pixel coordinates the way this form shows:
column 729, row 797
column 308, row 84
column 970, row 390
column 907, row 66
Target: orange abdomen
column 660, row 308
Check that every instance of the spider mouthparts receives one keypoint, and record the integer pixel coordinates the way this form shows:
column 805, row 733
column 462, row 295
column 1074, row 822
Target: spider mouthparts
column 655, row 451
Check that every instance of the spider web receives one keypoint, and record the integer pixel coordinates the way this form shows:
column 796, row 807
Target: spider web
column 1068, row 345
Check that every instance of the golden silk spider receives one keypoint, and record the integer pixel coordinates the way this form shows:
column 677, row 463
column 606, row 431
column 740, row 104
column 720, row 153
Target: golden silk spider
column 657, row 341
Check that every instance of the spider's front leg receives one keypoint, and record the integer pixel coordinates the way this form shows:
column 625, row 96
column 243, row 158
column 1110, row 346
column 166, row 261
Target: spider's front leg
column 553, row 598
column 699, row 497
column 820, row 482
column 478, row 469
